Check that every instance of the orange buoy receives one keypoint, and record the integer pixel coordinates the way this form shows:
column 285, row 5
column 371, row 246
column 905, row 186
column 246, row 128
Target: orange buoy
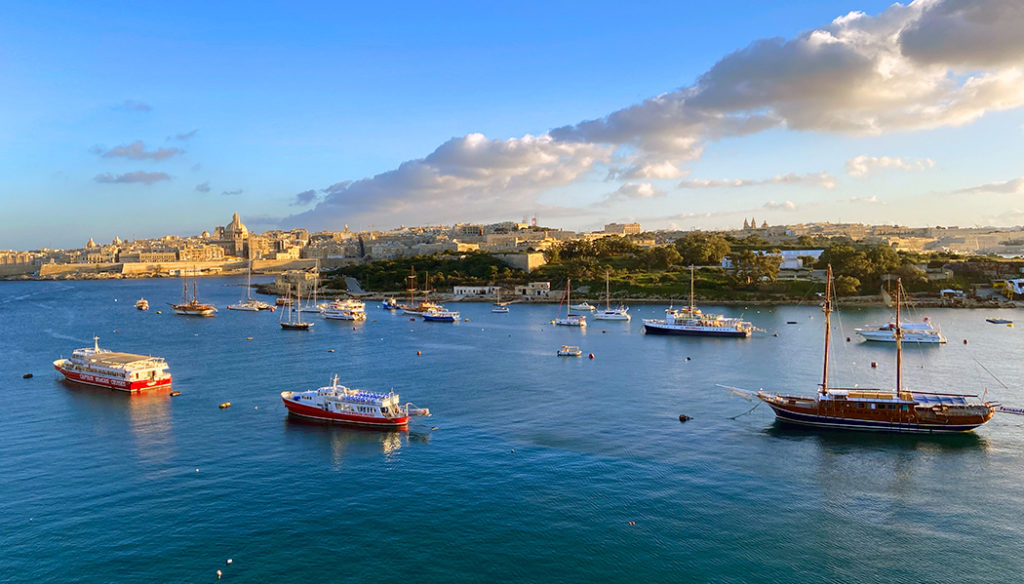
column 632, row 522
column 225, row 405
column 874, row 364
column 418, row 353
column 591, row 356
column 330, row 350
column 775, row 335
column 847, row 339
column 411, row 319
column 965, row 341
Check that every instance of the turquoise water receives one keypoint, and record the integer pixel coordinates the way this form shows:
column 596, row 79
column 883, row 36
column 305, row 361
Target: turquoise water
column 536, row 467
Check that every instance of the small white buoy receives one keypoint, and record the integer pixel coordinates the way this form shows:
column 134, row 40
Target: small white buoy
column 228, row 562
column 219, row 574
column 197, row 470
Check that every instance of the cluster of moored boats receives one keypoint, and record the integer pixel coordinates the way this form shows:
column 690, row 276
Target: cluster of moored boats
column 898, row 410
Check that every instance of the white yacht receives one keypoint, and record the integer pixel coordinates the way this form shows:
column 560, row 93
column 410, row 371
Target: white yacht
column 913, row 332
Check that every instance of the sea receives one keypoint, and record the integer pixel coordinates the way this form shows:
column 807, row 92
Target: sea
column 532, row 467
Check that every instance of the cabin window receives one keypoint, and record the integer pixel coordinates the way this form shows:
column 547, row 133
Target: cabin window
column 872, row 406
column 905, row 408
column 860, row 406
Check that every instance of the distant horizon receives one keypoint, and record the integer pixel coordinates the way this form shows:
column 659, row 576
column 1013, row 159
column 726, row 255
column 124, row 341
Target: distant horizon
column 101, row 240
column 147, row 118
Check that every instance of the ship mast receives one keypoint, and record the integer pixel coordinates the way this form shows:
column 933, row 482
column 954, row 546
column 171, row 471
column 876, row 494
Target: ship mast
column 691, row 289
column 898, row 333
column 827, row 309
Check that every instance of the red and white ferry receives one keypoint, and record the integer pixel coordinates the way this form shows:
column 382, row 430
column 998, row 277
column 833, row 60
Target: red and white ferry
column 121, row 371
column 337, row 403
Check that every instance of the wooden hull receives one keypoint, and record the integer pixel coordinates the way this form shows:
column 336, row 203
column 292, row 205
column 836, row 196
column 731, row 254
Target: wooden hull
column 805, row 412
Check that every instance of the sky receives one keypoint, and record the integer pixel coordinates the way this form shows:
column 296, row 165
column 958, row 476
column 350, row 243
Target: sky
column 136, row 119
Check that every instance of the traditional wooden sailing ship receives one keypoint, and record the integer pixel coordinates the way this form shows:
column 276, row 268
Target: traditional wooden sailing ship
column 889, row 410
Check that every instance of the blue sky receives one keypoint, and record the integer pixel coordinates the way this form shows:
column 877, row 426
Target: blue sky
column 141, row 119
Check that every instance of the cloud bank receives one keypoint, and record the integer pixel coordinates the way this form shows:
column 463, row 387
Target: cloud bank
column 139, row 176
column 928, row 64
column 819, row 179
column 863, row 165
column 1014, row 186
column 137, row 151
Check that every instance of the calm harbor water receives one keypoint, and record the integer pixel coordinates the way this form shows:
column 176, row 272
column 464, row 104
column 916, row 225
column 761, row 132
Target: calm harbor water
column 531, row 469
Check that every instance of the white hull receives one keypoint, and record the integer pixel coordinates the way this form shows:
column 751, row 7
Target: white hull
column 611, row 315
column 908, row 337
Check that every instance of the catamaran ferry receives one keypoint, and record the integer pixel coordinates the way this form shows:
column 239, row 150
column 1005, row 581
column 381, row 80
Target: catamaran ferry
column 337, row 403
column 121, row 371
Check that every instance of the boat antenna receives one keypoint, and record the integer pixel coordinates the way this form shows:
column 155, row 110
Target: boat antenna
column 898, row 333
column 827, row 309
column 96, row 344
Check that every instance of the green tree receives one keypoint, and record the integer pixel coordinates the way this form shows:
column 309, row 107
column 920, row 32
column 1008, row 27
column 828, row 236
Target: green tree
column 755, row 268
column 702, row 249
column 661, row 258
column 847, row 285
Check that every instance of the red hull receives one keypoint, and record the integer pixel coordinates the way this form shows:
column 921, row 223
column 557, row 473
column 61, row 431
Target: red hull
column 319, row 414
column 118, row 384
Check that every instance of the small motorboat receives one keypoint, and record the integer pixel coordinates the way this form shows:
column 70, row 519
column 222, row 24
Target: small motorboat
column 583, row 306
column 142, row 304
column 999, row 321
column 569, row 351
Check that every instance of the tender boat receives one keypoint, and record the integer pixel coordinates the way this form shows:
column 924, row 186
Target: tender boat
column 389, row 304
column 888, row 410
column 142, row 304
column 583, row 306
column 998, row 321
column 501, row 308
column 120, row 371
column 434, row 315
column 691, row 321
column 913, row 332
column 337, row 403
column 569, row 351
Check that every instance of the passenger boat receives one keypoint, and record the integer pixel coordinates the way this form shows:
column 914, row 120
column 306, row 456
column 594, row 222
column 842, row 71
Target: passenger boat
column 337, row 403
column 913, row 332
column 618, row 313
column 570, row 319
column 435, row 315
column 348, row 309
column 120, row 371
column 142, row 304
column 689, row 320
column 192, row 307
column 569, row 351
column 888, row 410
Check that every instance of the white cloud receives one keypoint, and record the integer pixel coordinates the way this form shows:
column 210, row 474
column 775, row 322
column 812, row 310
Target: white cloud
column 872, row 200
column 862, row 165
column 928, row 64
column 471, row 176
column 1014, row 186
column 137, row 151
column 783, row 206
column 139, row 176
column 818, row 179
column 634, row 191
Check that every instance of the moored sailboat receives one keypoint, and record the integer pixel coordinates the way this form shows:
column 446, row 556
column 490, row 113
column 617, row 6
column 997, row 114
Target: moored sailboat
column 570, row 319
column 889, row 410
column 192, row 307
column 620, row 312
